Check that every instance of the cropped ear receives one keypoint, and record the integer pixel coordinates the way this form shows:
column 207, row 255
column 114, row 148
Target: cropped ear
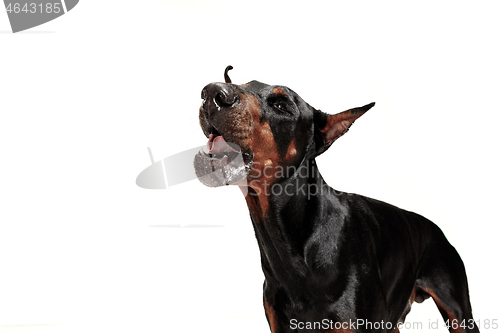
column 328, row 128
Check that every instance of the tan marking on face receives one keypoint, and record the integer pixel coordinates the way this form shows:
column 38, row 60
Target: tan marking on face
column 291, row 151
column 266, row 159
column 265, row 151
column 279, row 91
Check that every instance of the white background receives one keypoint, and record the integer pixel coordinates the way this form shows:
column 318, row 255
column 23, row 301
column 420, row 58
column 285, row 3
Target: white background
column 83, row 249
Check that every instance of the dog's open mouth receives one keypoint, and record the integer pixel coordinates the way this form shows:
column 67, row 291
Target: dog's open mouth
column 219, row 148
column 225, row 163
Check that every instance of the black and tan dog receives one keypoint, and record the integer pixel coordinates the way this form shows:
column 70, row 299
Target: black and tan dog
column 333, row 262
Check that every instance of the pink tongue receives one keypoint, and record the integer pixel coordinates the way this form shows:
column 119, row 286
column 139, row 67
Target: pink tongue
column 218, row 145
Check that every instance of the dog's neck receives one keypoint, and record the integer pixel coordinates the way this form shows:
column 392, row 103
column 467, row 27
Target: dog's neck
column 284, row 220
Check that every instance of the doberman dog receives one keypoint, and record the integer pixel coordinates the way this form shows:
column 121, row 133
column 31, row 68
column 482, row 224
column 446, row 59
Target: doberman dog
column 332, row 261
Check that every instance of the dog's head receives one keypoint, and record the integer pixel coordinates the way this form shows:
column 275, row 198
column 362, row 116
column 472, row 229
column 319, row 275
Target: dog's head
column 256, row 132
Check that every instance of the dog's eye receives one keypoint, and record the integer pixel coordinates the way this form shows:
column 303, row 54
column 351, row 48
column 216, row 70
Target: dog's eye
column 281, row 106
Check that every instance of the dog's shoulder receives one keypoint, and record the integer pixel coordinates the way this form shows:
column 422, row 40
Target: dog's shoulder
column 379, row 215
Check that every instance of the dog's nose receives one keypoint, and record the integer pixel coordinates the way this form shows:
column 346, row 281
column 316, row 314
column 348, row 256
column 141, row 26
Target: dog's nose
column 222, row 94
